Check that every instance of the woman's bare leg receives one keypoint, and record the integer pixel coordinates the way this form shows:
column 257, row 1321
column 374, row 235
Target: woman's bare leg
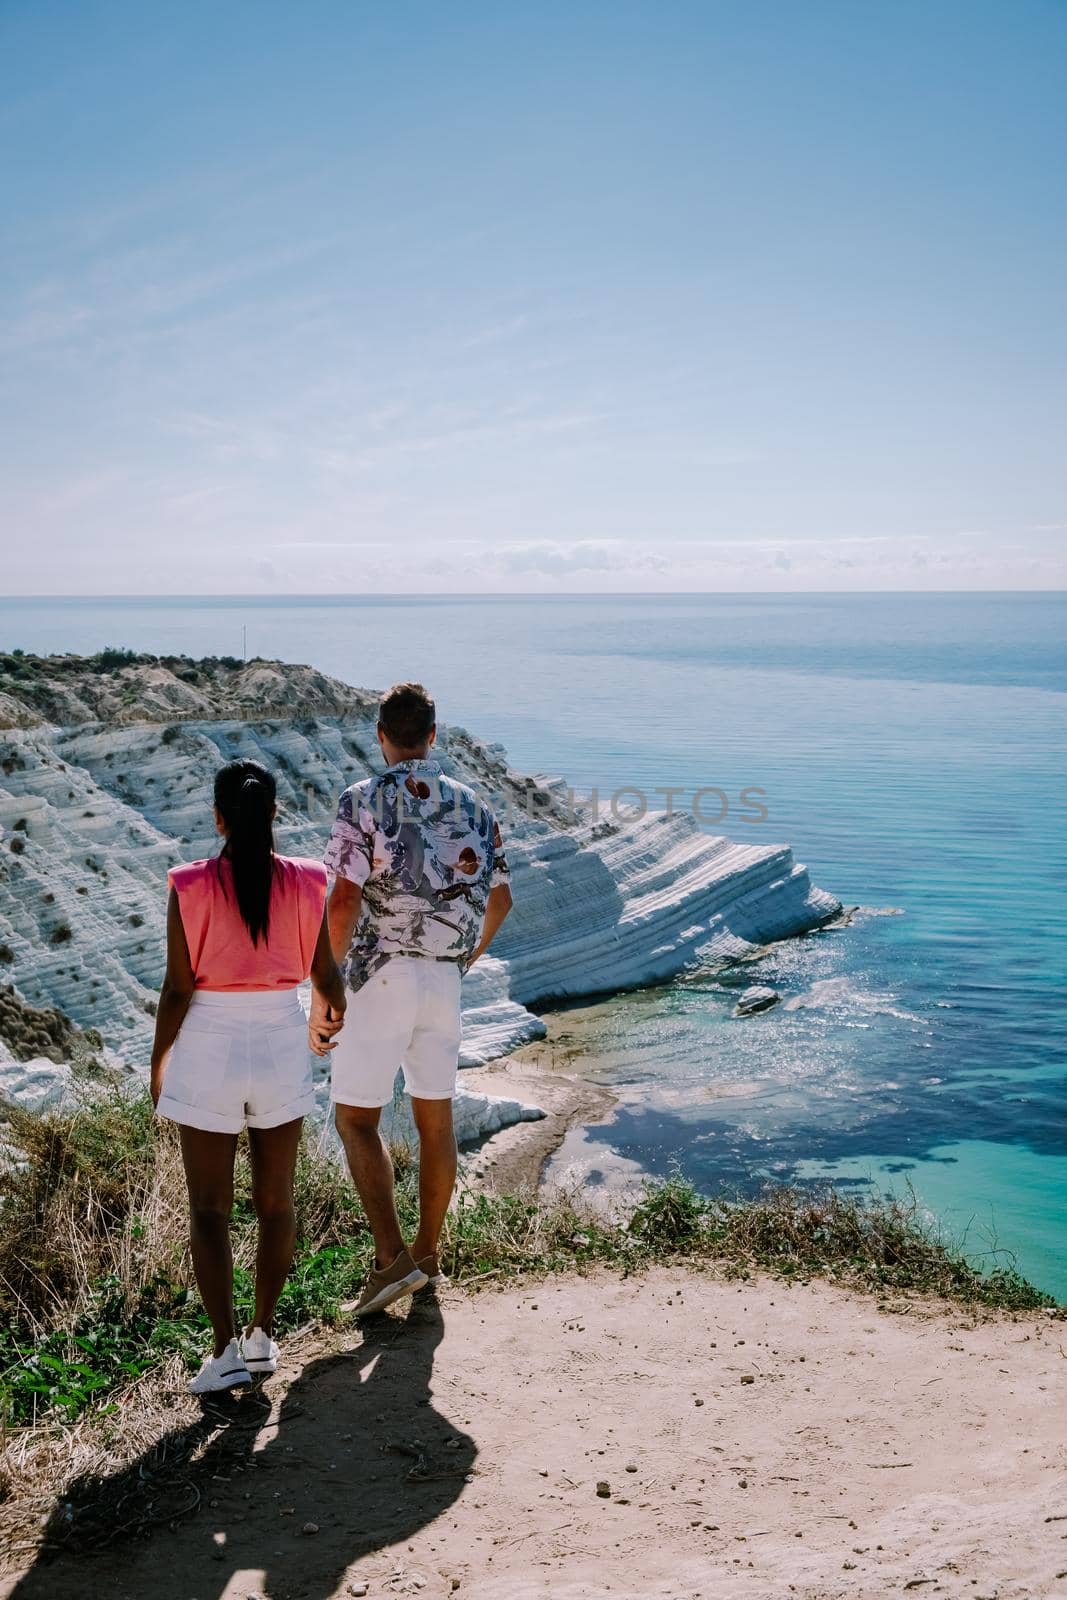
column 273, row 1152
column 208, row 1159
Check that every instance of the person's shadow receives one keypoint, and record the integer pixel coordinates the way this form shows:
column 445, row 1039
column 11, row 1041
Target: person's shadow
column 353, row 1460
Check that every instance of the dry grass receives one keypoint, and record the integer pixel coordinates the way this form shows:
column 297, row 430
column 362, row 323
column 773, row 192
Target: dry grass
column 86, row 1196
column 96, row 1195
column 39, row 1465
column 828, row 1233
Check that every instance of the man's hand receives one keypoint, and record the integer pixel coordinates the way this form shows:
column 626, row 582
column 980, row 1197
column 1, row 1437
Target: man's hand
column 472, row 958
column 323, row 1023
column 497, row 907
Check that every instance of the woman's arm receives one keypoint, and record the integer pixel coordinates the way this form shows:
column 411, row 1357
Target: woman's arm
column 328, row 997
column 174, row 997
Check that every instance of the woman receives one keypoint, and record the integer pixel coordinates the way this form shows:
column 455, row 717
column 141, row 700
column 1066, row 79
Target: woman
column 231, row 1050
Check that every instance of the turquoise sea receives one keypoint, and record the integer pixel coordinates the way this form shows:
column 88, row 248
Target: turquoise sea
column 911, row 748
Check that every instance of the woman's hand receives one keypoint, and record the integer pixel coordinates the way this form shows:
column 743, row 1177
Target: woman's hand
column 324, row 1022
column 328, row 994
column 155, row 1082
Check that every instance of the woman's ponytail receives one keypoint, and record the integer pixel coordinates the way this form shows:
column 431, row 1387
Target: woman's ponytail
column 244, row 798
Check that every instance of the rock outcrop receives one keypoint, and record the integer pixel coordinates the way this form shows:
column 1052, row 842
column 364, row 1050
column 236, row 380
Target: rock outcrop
column 757, row 998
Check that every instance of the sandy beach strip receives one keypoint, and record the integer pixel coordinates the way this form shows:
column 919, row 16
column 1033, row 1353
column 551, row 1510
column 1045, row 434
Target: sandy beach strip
column 543, row 1073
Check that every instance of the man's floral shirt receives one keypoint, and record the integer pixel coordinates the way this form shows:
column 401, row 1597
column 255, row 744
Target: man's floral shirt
column 426, row 851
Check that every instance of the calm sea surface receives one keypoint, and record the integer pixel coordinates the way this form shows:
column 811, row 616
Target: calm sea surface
column 910, row 748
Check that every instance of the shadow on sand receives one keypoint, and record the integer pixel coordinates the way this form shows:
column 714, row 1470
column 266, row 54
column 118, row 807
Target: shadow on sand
column 355, row 1448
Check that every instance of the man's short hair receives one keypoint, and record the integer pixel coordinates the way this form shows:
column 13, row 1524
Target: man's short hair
column 407, row 715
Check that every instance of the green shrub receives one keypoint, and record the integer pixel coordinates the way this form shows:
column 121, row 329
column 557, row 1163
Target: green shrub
column 113, row 657
column 670, row 1215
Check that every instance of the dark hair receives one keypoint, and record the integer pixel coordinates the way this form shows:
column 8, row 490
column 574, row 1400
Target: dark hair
column 244, row 798
column 407, row 715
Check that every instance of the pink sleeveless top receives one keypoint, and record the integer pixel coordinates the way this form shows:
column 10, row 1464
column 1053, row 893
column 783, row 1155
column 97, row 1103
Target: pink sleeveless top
column 220, row 946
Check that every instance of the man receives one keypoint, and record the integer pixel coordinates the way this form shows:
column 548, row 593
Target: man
column 421, row 887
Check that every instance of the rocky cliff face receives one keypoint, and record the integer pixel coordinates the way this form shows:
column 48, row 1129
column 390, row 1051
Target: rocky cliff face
column 106, row 768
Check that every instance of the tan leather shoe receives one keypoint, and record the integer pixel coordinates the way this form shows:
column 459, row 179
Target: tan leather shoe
column 386, row 1284
column 435, row 1278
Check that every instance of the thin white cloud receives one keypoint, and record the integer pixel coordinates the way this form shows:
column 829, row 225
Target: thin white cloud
column 133, row 290
column 589, row 555
column 498, row 332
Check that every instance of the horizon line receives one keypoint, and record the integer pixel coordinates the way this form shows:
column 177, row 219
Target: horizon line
column 441, row 597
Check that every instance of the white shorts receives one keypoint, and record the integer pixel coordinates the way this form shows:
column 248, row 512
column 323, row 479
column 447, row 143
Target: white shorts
column 240, row 1060
column 406, row 1015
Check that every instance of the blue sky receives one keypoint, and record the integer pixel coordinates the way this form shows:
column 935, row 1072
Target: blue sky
column 524, row 297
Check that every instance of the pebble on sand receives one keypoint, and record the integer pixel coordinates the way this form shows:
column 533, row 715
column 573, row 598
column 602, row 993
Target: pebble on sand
column 603, row 1489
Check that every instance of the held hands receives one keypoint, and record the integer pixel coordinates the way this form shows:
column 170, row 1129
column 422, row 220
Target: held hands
column 323, row 1023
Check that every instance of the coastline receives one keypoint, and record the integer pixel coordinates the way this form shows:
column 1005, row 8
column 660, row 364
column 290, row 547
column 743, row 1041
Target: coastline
column 555, row 1155
column 104, row 788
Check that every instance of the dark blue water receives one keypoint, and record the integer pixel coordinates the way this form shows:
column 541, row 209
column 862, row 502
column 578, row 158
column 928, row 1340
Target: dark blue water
column 910, row 748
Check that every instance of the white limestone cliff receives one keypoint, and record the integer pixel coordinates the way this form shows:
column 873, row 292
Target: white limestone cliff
column 99, row 794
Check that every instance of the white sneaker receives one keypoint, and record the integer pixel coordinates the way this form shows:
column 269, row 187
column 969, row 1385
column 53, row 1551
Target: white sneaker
column 259, row 1351
column 221, row 1372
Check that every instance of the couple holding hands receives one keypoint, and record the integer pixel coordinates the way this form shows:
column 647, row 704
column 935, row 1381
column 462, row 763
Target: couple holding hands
column 420, row 886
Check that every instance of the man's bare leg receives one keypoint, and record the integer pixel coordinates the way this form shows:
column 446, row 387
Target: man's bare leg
column 372, row 1173
column 437, row 1171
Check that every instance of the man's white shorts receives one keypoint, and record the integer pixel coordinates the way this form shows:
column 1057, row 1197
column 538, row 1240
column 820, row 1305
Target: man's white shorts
column 406, row 1015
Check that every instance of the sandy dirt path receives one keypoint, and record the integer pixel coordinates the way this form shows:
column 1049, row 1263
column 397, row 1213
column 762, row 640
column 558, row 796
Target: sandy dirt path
column 755, row 1441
